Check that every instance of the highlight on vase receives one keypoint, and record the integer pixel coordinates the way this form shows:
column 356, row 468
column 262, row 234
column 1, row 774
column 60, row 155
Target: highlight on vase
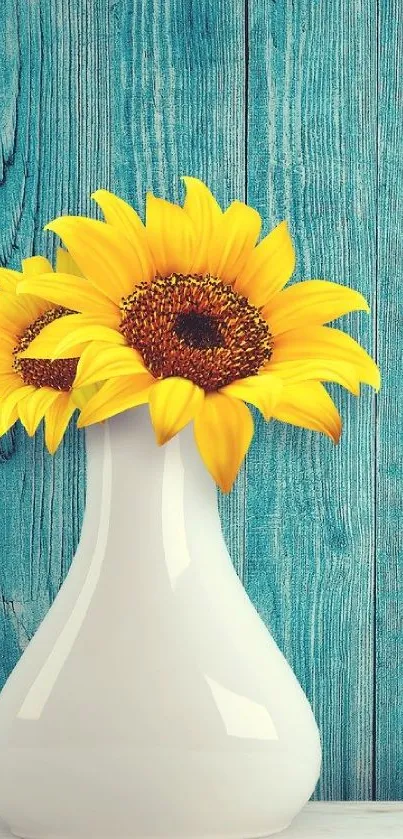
column 189, row 313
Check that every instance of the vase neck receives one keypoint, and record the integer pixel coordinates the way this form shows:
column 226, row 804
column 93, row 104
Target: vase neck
column 152, row 499
column 141, row 470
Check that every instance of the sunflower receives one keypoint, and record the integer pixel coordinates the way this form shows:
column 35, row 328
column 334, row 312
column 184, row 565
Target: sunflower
column 189, row 313
column 33, row 389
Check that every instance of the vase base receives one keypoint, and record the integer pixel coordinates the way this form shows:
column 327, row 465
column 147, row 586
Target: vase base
column 277, row 830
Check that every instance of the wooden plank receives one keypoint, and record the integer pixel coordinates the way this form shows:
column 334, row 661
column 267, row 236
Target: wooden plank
column 179, row 69
column 309, row 508
column 55, row 130
column 389, row 537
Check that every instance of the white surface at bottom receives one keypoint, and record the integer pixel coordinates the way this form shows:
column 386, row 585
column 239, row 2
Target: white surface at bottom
column 348, row 820
column 337, row 820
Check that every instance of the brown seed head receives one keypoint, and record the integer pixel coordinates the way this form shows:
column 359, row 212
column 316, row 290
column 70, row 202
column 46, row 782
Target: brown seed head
column 42, row 372
column 197, row 328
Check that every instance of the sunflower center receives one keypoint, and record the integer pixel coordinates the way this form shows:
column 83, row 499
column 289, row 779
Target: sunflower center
column 42, row 372
column 197, row 328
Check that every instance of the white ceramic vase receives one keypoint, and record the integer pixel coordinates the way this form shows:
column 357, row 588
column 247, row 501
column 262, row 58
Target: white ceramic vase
column 152, row 702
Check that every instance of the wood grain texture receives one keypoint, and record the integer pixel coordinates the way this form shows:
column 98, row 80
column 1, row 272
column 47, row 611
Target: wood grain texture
column 293, row 106
column 389, row 428
column 309, row 507
column 54, row 129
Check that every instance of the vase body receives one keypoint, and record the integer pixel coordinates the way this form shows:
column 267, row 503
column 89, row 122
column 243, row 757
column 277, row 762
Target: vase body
column 152, row 701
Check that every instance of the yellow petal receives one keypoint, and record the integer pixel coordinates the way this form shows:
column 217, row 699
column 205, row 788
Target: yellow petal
column 323, row 342
column 82, row 395
column 105, row 256
column 171, row 236
column 9, row 280
column 269, row 266
column 125, row 219
column 223, row 431
column 47, row 343
column 65, row 263
column 83, row 335
column 10, row 394
column 235, row 235
column 32, row 409
column 6, row 361
column 312, row 302
column 16, row 314
column 119, row 213
column 9, row 403
column 116, row 396
column 72, row 292
column 57, row 418
column 35, row 265
column 322, row 370
column 7, row 343
column 262, row 390
column 100, row 361
column 205, row 213
column 309, row 405
column 173, row 403
column 8, row 382
column 6, row 424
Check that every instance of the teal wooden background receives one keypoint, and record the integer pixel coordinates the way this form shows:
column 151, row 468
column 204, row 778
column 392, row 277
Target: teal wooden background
column 292, row 105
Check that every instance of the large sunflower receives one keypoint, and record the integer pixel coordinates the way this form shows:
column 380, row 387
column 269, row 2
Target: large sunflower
column 191, row 317
column 33, row 389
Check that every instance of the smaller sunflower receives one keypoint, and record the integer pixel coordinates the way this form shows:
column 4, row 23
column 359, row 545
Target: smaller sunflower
column 32, row 389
